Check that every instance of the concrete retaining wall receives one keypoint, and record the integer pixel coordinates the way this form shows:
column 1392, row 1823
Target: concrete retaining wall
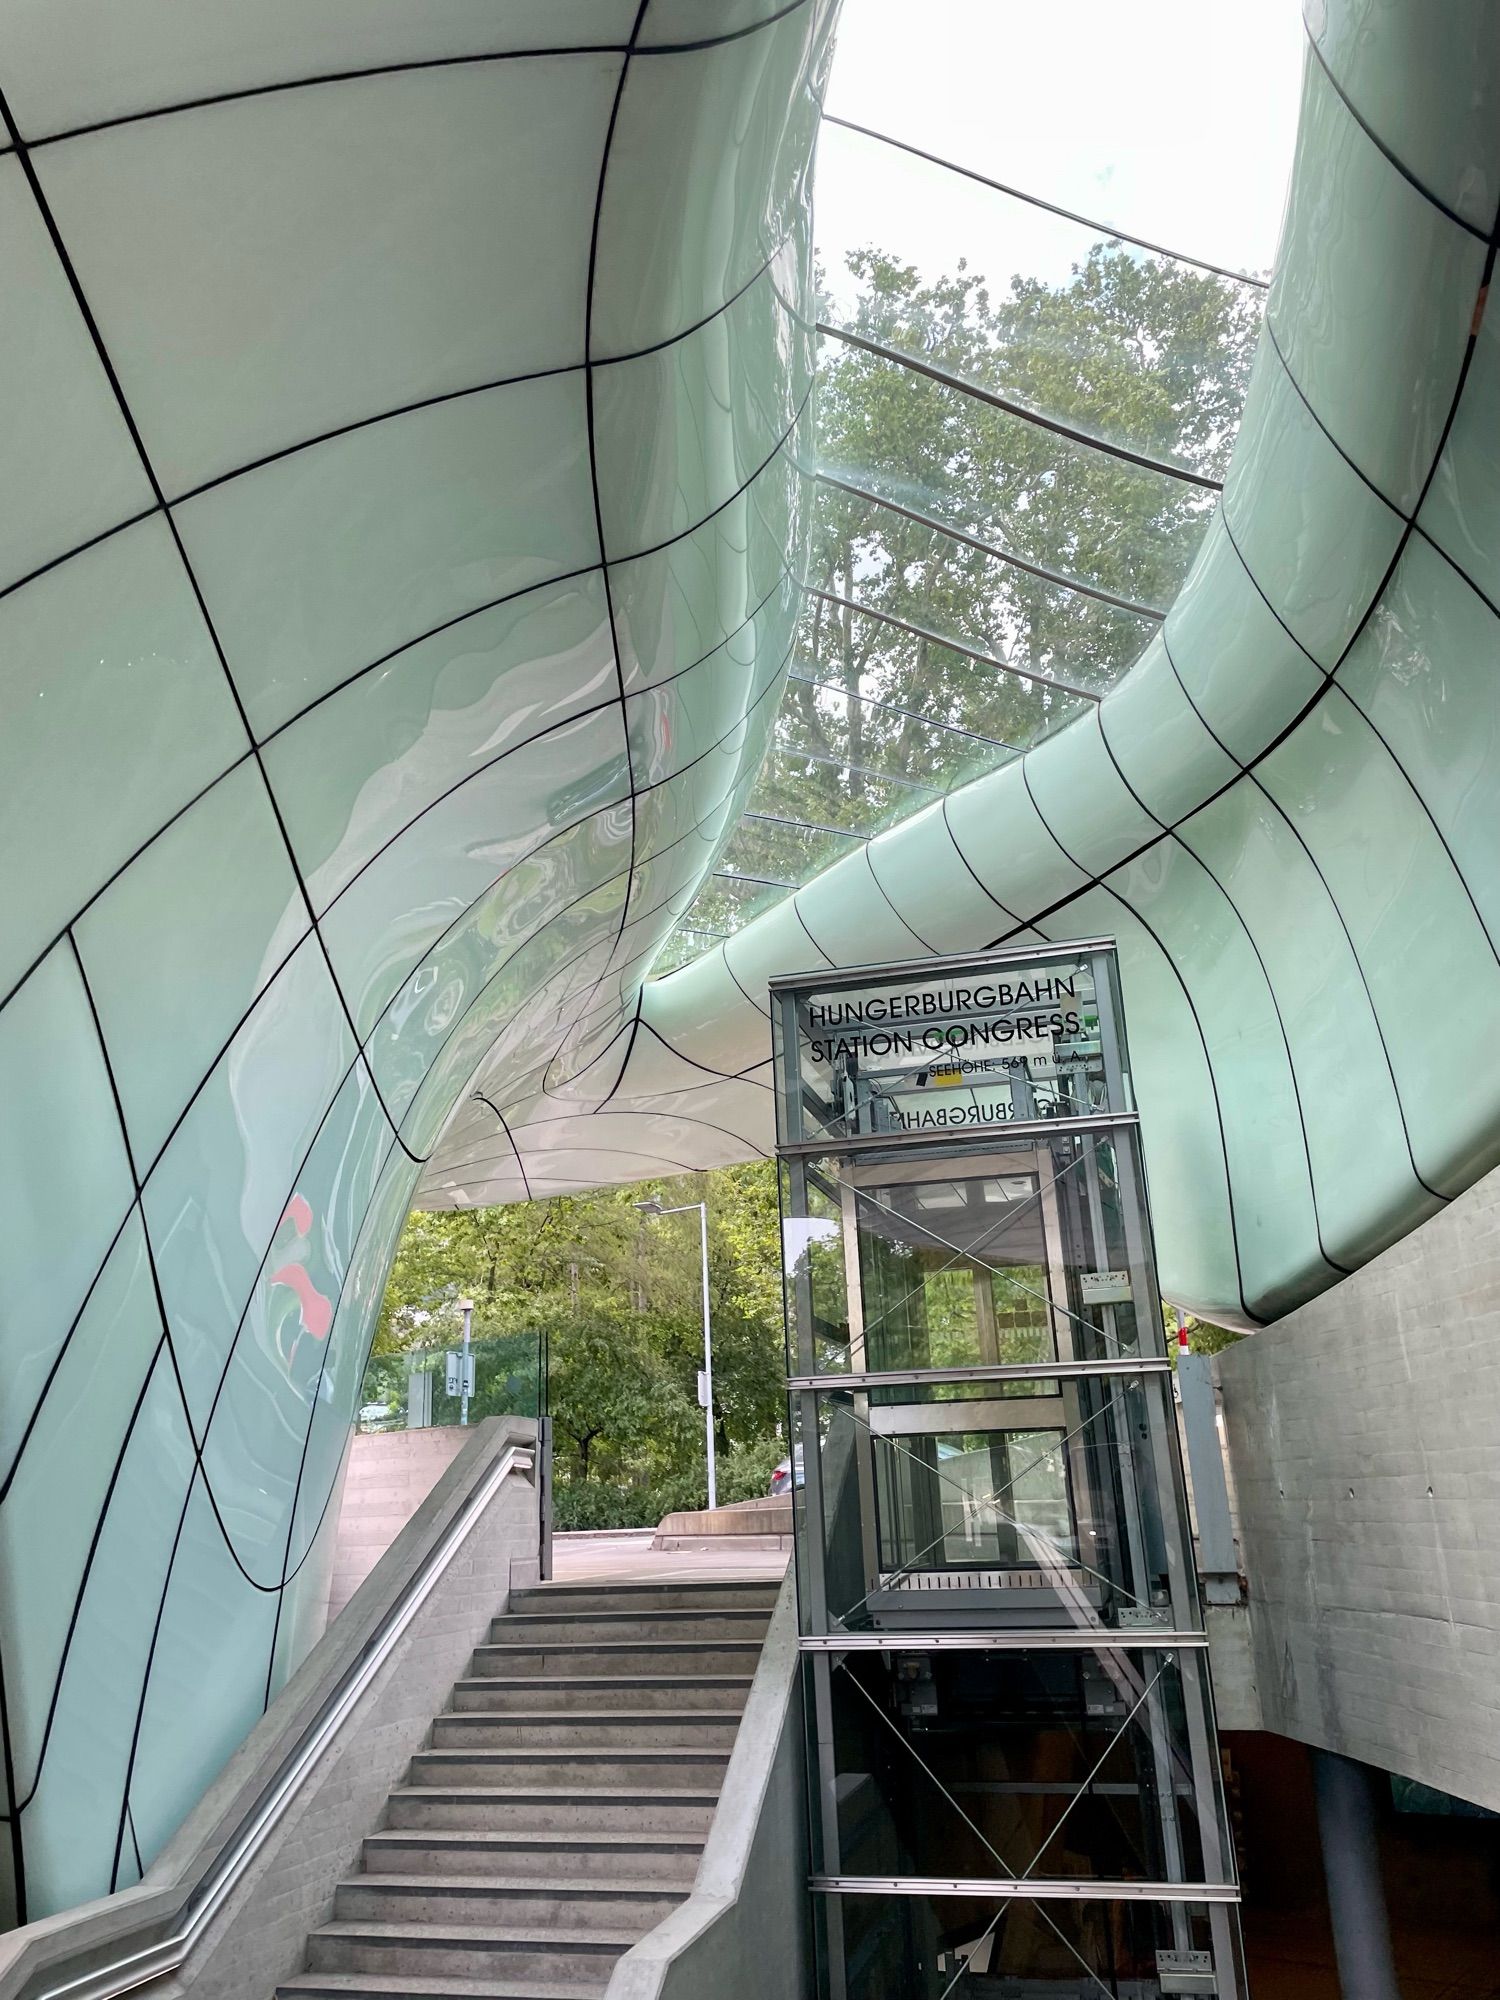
column 745, row 1932
column 390, row 1474
column 1364, row 1436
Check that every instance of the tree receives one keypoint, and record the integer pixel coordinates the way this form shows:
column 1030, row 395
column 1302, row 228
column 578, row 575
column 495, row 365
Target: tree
column 617, row 1300
column 1139, row 351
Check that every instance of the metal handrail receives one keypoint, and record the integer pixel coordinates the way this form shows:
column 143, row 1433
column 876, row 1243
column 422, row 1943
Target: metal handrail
column 133, row 1969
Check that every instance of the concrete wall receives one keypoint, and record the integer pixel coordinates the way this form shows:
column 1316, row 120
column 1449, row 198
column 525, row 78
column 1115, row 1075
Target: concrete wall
column 1364, row 1436
column 390, row 1474
column 745, row 1932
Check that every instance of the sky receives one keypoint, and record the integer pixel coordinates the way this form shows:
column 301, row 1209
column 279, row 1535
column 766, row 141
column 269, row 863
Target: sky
column 1173, row 119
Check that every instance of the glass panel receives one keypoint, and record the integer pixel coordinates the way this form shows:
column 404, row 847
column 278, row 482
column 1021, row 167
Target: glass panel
column 58, row 1492
column 871, row 551
column 116, row 714
column 206, row 1683
column 146, row 61
column 1103, row 124
column 1312, row 534
column 280, row 1353
column 675, row 606
column 1407, row 916
column 679, row 431
column 1464, row 500
column 948, row 1279
column 64, row 1178
column 348, row 1348
column 1171, row 1073
column 763, row 844
column 957, row 1947
column 1159, row 743
column 877, row 737
column 437, row 713
column 431, row 1005
column 1092, row 333
column 995, row 1511
column 191, row 234
column 1281, row 1264
column 66, row 446
column 814, row 1271
column 74, row 1820
column 1423, row 672
column 1407, row 276
column 1006, row 1763
column 1066, row 506
column 1356, row 1143
column 422, row 1387
column 447, row 861
column 674, row 723
column 1075, row 784
column 178, row 948
column 695, row 217
column 968, row 1048
column 216, row 1196
column 317, row 565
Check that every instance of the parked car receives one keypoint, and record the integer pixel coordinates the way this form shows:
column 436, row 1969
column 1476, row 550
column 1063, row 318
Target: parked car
column 781, row 1478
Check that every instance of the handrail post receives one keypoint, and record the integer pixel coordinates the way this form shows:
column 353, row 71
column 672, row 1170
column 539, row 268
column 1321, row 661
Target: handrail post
column 544, row 1497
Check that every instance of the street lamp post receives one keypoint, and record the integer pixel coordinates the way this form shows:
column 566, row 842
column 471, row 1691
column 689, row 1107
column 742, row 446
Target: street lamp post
column 653, row 1208
column 466, row 1307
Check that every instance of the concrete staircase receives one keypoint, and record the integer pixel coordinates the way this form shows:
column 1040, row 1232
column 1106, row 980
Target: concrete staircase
column 561, row 1805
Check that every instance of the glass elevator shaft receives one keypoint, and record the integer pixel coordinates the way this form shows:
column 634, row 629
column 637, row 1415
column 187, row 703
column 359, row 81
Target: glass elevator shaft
column 1013, row 1772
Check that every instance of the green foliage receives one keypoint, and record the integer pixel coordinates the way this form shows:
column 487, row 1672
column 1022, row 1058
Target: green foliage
column 1135, row 350
column 617, row 1298
column 1203, row 1336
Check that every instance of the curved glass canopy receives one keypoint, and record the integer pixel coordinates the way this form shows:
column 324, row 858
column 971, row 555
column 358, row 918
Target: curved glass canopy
column 421, row 539
column 1023, row 415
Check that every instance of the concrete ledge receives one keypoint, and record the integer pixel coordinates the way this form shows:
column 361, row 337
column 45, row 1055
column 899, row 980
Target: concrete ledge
column 744, row 1933
column 757, row 1519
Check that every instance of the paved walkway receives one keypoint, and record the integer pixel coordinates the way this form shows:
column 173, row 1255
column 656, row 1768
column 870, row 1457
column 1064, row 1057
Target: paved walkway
column 628, row 1557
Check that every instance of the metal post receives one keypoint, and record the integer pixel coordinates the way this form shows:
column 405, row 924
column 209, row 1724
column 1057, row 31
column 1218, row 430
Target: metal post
column 466, row 1307
column 1200, row 1425
column 1345, row 1793
column 708, row 1363
column 544, row 1498
column 652, row 1207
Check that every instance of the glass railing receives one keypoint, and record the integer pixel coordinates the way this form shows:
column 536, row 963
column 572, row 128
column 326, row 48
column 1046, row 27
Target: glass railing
column 424, row 1386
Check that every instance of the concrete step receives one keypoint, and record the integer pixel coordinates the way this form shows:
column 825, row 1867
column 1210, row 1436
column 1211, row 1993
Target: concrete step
column 582, row 1769
column 709, row 1596
column 527, row 1694
column 668, row 1859
column 578, row 1628
column 626, row 1656
column 590, row 1902
column 453, row 1951
column 680, row 1809
column 601, row 1730
column 395, row 1986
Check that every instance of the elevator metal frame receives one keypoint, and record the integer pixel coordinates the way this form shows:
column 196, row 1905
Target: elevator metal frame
column 890, row 1113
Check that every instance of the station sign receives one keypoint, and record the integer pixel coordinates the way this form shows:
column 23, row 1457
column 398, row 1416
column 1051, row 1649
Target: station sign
column 959, row 1050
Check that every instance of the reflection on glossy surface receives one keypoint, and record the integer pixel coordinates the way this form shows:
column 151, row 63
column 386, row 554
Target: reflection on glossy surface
column 66, row 446
column 254, row 981
column 96, row 758
column 202, row 239
column 499, row 784
column 1280, row 809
